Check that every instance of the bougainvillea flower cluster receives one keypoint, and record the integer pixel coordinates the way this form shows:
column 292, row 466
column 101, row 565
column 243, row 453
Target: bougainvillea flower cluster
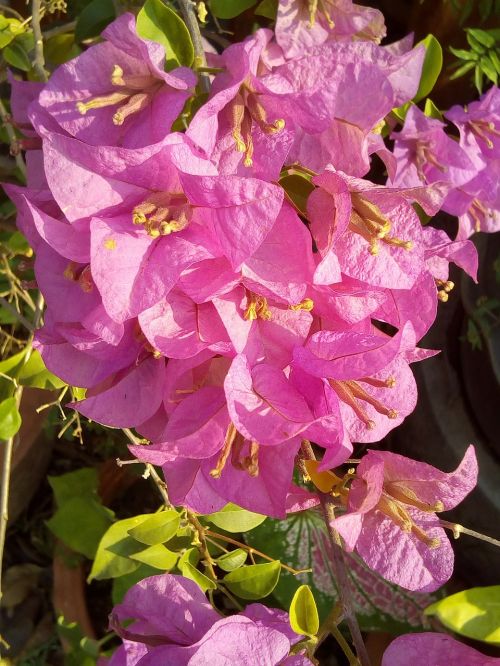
column 173, row 623
column 236, row 288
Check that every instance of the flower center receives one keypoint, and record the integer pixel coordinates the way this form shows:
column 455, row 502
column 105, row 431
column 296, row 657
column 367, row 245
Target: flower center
column 315, row 6
column 135, row 93
column 233, row 446
column 306, row 304
column 257, row 307
column 368, row 221
column 423, row 156
column 81, row 274
column 444, row 287
column 484, row 129
column 162, row 214
column 246, row 111
column 353, row 394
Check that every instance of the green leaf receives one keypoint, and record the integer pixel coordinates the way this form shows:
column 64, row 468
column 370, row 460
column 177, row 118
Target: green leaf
column 483, row 37
column 401, row 111
column 267, row 8
column 112, row 557
column 304, row 618
column 489, row 69
column 463, row 54
column 379, row 605
column 16, row 56
column 123, row 584
column 233, row 560
column 474, row 43
column 227, row 9
column 16, row 243
column 254, row 581
column 495, row 59
column 298, row 188
column 91, row 518
column 462, row 70
column 35, row 374
column 9, row 29
column 94, row 18
column 473, row 613
column 157, row 556
column 61, row 48
column 233, row 518
column 432, row 111
column 74, row 484
column 10, row 419
column 431, row 68
column 161, row 24
column 157, row 529
column 191, row 556
column 189, row 571
column 478, row 79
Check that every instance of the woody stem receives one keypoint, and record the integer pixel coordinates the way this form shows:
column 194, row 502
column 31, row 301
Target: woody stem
column 187, row 8
column 339, row 567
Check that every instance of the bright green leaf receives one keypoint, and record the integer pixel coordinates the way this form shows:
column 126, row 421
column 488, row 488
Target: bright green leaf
column 161, row 24
column 94, row 18
column 474, row 43
column 478, row 79
column 157, row 529
column 483, row 37
column 473, row 613
column 9, row 29
column 462, row 70
column 10, row 419
column 61, row 48
column 254, row 581
column 233, row 518
column 74, row 484
column 11, row 365
column 489, row 69
column 495, row 59
column 432, row 111
column 431, row 68
column 227, row 9
column 191, row 555
column 80, row 523
column 112, row 557
column 189, row 571
column 463, row 54
column 157, row 556
column 35, row 374
column 304, row 617
column 233, row 560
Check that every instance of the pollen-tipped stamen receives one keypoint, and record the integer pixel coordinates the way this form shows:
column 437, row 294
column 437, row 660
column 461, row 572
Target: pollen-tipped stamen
column 306, row 304
column 345, row 394
column 231, row 433
column 101, row 102
column 401, row 492
column 135, row 103
column 360, row 393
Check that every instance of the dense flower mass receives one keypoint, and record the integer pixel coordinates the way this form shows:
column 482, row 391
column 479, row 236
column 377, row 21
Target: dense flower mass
column 236, row 288
column 439, row 650
column 173, row 623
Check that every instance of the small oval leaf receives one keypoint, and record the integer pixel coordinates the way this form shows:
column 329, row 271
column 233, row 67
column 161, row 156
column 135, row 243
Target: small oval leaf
column 10, row 419
column 157, row 529
column 157, row 556
column 254, row 581
column 433, row 62
column 233, row 560
column 304, row 618
column 233, row 518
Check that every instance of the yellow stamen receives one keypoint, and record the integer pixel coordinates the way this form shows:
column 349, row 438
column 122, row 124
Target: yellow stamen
column 225, row 452
column 307, row 304
column 101, row 102
column 257, row 308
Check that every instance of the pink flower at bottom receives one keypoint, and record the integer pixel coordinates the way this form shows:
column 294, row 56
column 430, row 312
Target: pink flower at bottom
column 433, row 649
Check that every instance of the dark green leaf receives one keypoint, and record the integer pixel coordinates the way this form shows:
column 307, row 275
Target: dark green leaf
column 489, row 69
column 74, row 484
column 227, row 9
column 478, row 79
column 298, row 188
column 304, row 617
column 475, row 44
column 94, row 18
column 80, row 523
column 161, row 24
column 61, row 48
column 10, row 419
column 16, row 56
column 267, row 8
column 254, row 581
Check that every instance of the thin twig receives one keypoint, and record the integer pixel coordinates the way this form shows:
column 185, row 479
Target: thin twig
column 14, row 151
column 9, row 446
column 339, row 568
column 155, row 477
column 460, row 529
column 20, row 317
column 9, row 10
column 39, row 62
column 201, row 532
column 59, row 30
column 191, row 20
column 251, row 550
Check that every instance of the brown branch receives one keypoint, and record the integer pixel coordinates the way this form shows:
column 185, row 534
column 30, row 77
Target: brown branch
column 191, row 20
